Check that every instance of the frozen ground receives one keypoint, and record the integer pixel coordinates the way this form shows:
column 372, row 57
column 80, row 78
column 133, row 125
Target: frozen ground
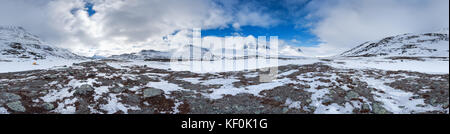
column 424, row 65
column 311, row 86
column 26, row 65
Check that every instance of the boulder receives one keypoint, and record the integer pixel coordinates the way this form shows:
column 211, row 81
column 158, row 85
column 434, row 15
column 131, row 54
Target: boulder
column 117, row 89
column 377, row 108
column 9, row 97
column 152, row 92
column 84, row 90
column 48, row 106
column 16, row 106
column 351, row 95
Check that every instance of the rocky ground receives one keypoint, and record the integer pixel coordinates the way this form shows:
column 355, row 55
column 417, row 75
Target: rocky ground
column 97, row 88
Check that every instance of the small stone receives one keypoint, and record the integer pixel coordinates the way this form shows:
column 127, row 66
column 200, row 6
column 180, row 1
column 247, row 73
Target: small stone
column 84, row 89
column 53, row 76
column 420, row 105
column 152, row 92
column 307, row 86
column 238, row 108
column 277, row 98
column 415, row 97
column 327, row 100
column 117, row 90
column 16, row 106
column 433, row 101
column 365, row 107
column 285, row 110
column 308, row 100
column 445, row 104
column 355, row 82
column 48, row 106
column 312, row 108
column 43, row 92
column 14, row 88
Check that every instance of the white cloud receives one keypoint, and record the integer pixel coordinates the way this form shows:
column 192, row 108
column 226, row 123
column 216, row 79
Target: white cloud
column 344, row 24
column 121, row 26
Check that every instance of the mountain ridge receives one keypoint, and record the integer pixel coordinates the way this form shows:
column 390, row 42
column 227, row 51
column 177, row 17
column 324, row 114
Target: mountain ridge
column 432, row 44
column 16, row 43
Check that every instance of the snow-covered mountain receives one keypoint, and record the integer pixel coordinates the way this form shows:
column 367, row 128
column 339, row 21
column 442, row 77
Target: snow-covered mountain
column 143, row 55
column 18, row 44
column 181, row 53
column 434, row 44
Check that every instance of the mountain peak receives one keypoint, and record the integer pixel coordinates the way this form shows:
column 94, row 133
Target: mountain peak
column 443, row 30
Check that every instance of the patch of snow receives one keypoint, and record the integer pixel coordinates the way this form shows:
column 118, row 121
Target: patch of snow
column 287, row 72
column 114, row 105
column 165, row 86
column 192, row 80
column 66, row 107
column 393, row 99
column 213, row 66
column 228, row 88
column 55, row 95
column 428, row 66
column 51, row 63
column 335, row 109
column 3, row 110
column 293, row 104
column 175, row 108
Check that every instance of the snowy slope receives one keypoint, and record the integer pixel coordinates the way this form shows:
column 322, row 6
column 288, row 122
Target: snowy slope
column 407, row 45
column 16, row 44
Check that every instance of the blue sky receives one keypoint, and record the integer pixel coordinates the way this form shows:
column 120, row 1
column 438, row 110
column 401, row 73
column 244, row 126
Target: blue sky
column 287, row 32
column 287, row 27
column 290, row 26
column 89, row 8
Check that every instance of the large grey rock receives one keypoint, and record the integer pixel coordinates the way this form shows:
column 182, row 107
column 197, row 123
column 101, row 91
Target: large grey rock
column 84, row 90
column 365, row 107
column 83, row 107
column 351, row 95
column 377, row 108
column 14, row 88
column 9, row 97
column 117, row 89
column 16, row 106
column 131, row 99
column 152, row 92
column 48, row 106
column 285, row 110
column 51, row 76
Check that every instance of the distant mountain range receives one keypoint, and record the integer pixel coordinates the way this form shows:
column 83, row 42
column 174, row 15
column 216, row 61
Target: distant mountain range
column 18, row 44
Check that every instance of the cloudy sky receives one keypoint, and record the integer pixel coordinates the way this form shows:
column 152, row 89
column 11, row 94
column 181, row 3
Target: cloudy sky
column 318, row 27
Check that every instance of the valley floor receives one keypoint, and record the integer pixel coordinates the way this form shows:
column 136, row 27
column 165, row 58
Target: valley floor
column 303, row 86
